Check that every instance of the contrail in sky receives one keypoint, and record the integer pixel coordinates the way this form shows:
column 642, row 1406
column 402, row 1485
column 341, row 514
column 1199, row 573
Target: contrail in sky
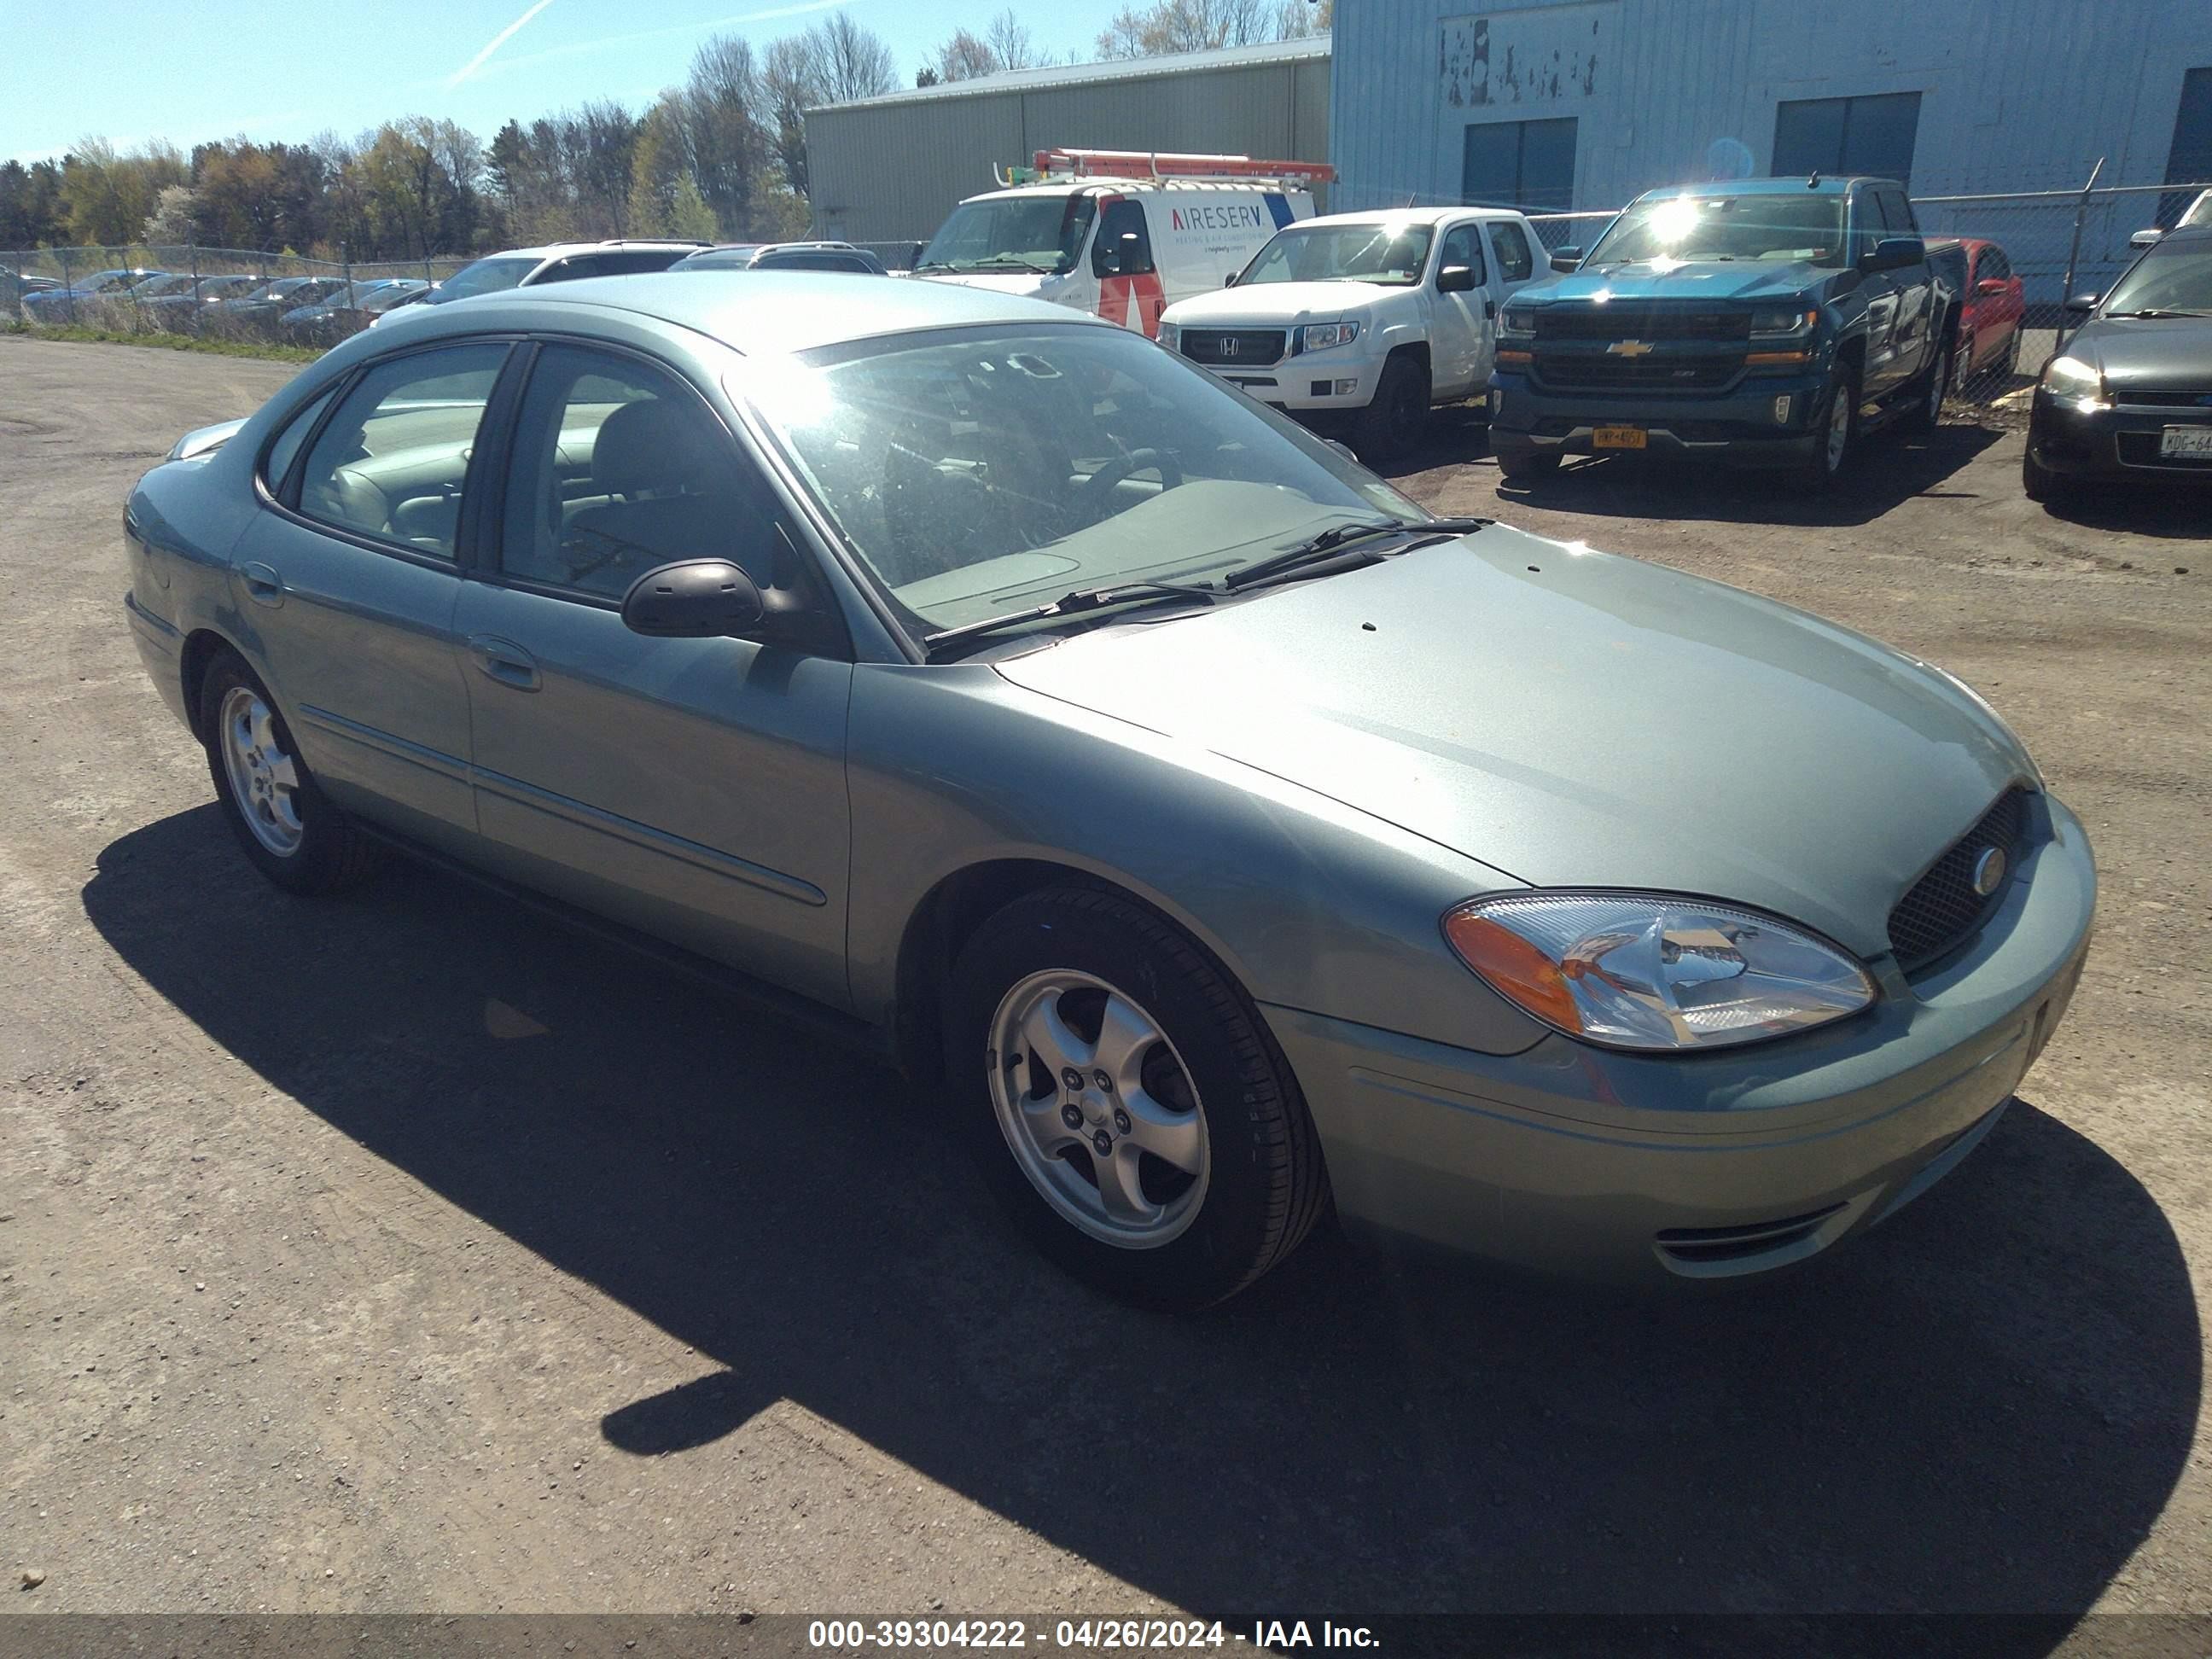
column 494, row 44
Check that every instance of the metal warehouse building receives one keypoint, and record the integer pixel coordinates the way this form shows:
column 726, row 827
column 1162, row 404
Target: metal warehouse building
column 1587, row 103
column 890, row 169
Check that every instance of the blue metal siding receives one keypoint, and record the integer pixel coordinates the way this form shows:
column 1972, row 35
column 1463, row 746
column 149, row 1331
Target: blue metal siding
column 2016, row 95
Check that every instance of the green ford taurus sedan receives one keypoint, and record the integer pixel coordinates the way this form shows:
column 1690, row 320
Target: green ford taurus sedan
column 1228, row 841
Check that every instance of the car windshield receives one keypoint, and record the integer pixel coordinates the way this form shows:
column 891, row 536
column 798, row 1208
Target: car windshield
column 994, row 469
column 160, row 285
column 718, row 259
column 1767, row 225
column 1011, row 232
column 1389, row 252
column 485, row 276
column 2170, row 277
column 390, row 296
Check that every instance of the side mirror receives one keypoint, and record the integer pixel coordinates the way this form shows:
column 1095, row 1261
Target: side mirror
column 1456, row 279
column 1566, row 259
column 2081, row 305
column 1991, row 286
column 693, row 599
column 2146, row 238
column 1344, row 450
column 1230, row 281
column 1893, row 253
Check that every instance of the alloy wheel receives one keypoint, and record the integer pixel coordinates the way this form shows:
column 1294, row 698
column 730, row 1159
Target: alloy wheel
column 264, row 779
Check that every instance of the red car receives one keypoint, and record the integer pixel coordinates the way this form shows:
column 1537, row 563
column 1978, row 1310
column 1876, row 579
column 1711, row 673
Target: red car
column 1990, row 325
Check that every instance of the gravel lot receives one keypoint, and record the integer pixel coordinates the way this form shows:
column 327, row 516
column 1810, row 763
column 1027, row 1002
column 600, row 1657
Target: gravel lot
column 405, row 1252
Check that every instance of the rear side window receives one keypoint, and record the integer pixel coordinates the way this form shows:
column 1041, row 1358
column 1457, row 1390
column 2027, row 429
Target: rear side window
column 1515, row 260
column 391, row 461
column 286, row 449
column 1994, row 265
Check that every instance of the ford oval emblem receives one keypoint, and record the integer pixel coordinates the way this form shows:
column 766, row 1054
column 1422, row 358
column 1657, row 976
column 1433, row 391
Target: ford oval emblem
column 1989, row 871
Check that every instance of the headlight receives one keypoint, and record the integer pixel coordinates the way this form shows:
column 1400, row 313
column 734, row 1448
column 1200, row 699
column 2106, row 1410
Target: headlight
column 1516, row 323
column 1319, row 337
column 1170, row 335
column 1772, row 322
column 1652, row 971
column 2075, row 382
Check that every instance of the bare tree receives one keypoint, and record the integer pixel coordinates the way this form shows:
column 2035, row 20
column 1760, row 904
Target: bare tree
column 964, row 56
column 1172, row 25
column 854, row 61
column 1011, row 44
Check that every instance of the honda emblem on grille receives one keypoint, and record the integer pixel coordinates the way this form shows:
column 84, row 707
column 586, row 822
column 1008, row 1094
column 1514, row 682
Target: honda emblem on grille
column 1989, row 871
column 1629, row 349
column 1228, row 346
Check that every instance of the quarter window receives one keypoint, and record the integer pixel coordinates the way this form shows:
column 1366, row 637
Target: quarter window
column 286, row 449
column 619, row 468
column 391, row 460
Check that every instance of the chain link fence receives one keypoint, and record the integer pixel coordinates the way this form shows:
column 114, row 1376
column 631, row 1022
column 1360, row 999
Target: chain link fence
column 2045, row 236
column 219, row 293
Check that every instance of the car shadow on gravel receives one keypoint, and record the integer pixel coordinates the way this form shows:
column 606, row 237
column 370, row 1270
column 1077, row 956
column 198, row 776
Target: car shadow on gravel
column 1983, row 1405
column 2169, row 511
column 1891, row 468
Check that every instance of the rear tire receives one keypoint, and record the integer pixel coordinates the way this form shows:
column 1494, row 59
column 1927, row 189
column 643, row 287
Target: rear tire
column 289, row 832
column 1125, row 1103
column 1928, row 412
column 1390, row 426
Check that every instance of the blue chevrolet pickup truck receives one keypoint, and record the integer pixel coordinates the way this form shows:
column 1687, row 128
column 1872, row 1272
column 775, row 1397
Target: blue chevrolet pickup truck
column 1772, row 321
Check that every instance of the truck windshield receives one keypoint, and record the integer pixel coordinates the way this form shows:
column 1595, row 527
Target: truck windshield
column 1011, row 232
column 1390, row 251
column 1767, row 225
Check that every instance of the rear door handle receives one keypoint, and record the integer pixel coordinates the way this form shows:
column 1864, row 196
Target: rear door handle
column 263, row 585
column 505, row 661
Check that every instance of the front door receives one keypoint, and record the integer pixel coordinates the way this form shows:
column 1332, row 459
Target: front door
column 1460, row 330
column 692, row 788
column 346, row 591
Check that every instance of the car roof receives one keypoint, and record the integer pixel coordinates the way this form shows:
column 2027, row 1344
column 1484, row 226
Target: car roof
column 792, row 311
column 561, row 250
column 1414, row 216
column 1795, row 183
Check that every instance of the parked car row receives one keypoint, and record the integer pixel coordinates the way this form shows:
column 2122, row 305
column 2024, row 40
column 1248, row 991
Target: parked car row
column 301, row 310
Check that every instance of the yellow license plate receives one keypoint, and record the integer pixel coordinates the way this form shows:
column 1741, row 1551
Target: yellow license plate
column 1617, row 437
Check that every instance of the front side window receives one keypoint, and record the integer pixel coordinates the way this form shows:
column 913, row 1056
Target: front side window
column 390, row 462
column 1463, row 247
column 1515, row 259
column 619, row 468
column 1391, row 251
column 978, row 474
column 1125, row 241
column 1769, row 225
column 1011, row 232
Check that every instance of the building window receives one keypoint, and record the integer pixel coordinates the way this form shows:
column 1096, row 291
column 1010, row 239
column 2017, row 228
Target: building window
column 2189, row 161
column 1840, row 137
column 1523, row 164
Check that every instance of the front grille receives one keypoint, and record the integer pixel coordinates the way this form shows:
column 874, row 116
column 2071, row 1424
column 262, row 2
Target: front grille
column 2141, row 399
column 2140, row 449
column 1612, row 322
column 1660, row 374
column 1255, row 346
column 1943, row 910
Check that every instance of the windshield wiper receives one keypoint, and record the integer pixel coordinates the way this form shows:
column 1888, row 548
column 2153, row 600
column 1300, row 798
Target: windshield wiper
column 2158, row 310
column 1334, row 540
column 1071, row 604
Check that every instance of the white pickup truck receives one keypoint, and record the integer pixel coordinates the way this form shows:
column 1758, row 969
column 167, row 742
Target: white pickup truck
column 1374, row 316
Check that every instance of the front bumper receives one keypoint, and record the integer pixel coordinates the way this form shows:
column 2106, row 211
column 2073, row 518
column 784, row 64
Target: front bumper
column 1310, row 382
column 1526, row 418
column 2121, row 442
column 1596, row 1164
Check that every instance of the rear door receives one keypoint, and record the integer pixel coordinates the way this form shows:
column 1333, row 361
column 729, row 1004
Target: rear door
column 348, row 576
column 692, row 788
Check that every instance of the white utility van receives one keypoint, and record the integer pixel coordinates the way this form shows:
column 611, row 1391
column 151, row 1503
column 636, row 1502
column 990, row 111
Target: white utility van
column 1121, row 233
column 1376, row 316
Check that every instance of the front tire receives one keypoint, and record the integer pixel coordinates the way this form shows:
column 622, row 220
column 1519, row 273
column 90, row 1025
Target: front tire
column 1389, row 428
column 2037, row 482
column 1835, row 432
column 288, row 831
column 1124, row 1103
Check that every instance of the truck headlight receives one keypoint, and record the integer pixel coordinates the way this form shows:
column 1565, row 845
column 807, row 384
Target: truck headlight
column 1320, row 337
column 1170, row 335
column 1516, row 323
column 1779, row 323
column 1654, row 971
column 2071, row 380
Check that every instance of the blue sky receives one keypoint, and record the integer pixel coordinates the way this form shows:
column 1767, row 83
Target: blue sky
column 185, row 72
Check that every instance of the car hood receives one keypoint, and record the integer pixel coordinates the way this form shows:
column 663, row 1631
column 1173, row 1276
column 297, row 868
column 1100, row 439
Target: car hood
column 1713, row 279
column 1278, row 303
column 1025, row 283
column 2170, row 353
column 1574, row 719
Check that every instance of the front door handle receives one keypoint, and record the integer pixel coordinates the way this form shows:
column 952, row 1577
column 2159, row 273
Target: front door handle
column 505, row 661
column 263, row 585
column 1490, row 310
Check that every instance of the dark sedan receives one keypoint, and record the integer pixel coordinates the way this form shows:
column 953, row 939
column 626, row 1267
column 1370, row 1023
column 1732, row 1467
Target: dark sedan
column 2130, row 395
column 261, row 310
column 179, row 304
column 350, row 310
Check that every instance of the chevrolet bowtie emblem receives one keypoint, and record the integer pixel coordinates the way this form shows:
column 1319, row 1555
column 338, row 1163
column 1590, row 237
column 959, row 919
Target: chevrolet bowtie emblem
column 1629, row 349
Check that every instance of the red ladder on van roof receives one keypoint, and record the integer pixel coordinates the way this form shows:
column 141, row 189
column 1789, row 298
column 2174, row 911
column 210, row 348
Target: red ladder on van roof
column 1162, row 164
